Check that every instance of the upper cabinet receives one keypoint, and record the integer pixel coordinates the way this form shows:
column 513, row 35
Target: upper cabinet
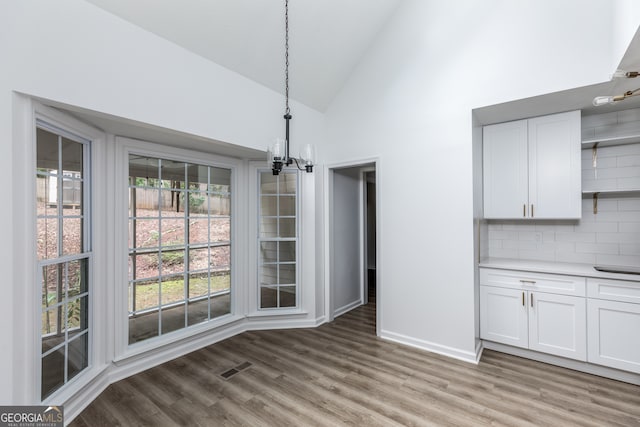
column 531, row 168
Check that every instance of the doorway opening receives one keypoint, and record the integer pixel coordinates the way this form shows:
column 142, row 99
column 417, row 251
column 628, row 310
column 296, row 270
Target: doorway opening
column 353, row 247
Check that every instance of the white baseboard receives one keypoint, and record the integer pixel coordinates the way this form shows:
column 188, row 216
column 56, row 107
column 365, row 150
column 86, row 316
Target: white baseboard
column 576, row 365
column 80, row 400
column 263, row 324
column 465, row 356
column 342, row 310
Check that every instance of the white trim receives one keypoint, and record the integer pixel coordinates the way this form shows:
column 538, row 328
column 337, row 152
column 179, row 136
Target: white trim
column 577, row 365
column 346, row 308
column 465, row 356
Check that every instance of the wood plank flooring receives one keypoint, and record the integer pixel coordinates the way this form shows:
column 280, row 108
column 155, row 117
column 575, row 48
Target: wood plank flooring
column 342, row 374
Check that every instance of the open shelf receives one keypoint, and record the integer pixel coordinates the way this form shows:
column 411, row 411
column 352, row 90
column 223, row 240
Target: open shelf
column 630, row 191
column 610, row 141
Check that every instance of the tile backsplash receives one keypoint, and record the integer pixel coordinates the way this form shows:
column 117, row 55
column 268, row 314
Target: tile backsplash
column 610, row 237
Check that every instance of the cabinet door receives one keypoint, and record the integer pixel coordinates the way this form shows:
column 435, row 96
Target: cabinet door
column 503, row 316
column 558, row 325
column 614, row 334
column 505, row 170
column 555, row 189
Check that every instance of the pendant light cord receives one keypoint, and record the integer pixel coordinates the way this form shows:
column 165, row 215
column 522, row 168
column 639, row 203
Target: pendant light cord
column 286, row 56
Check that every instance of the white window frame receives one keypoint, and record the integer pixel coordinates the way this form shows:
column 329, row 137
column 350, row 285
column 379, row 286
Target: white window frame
column 27, row 344
column 278, row 239
column 124, row 147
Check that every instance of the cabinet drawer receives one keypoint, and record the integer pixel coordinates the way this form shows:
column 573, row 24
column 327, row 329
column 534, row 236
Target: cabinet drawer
column 551, row 283
column 613, row 290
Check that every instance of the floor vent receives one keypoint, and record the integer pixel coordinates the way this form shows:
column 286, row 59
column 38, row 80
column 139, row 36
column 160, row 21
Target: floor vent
column 231, row 372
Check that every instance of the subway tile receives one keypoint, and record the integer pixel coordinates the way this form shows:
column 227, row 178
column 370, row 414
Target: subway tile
column 629, row 227
column 495, row 244
column 576, row 237
column 565, row 247
column 516, row 226
column 586, row 227
column 527, row 236
column 598, row 248
column 494, row 227
column 548, row 236
column 625, row 260
column 601, row 162
column 599, row 185
column 576, row 257
column 629, row 205
column 503, row 253
column 625, row 161
column 628, row 183
column 503, row 235
column 632, row 115
column 596, row 120
column 618, row 237
column 537, row 255
column 630, row 249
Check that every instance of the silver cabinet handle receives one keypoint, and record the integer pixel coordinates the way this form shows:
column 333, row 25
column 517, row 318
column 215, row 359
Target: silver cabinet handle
column 533, row 282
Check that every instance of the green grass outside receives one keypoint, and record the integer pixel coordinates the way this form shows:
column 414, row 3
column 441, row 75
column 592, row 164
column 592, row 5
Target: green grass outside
column 173, row 290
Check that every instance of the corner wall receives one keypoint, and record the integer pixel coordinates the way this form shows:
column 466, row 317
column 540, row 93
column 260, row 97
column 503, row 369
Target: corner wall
column 409, row 102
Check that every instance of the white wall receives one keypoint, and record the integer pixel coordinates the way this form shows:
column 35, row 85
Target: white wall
column 346, row 256
column 72, row 52
column 409, row 102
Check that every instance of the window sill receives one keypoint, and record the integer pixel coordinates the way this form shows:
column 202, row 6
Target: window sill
column 277, row 313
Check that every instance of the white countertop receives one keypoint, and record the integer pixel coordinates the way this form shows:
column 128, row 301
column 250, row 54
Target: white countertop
column 573, row 269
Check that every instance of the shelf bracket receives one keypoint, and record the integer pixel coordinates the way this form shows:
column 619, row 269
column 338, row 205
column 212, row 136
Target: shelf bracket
column 595, row 203
column 594, row 155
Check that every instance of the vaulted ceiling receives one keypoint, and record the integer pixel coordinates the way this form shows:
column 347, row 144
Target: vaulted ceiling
column 327, row 37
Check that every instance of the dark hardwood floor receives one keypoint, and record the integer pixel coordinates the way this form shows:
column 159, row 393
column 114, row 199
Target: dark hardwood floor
column 342, row 374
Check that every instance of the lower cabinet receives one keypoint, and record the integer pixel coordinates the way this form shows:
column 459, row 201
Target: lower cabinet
column 614, row 334
column 545, row 322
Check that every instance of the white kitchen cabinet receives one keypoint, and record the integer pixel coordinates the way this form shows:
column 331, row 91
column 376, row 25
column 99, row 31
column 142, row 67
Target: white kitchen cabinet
column 613, row 315
column 532, row 168
column 503, row 316
column 541, row 312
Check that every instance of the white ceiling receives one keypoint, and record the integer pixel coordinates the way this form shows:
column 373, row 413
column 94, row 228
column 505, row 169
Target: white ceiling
column 327, row 38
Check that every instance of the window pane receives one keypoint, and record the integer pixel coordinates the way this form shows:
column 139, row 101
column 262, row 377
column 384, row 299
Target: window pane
column 268, row 297
column 268, row 227
column 47, row 149
column 287, row 251
column 144, row 233
column 288, row 183
column 287, row 205
column 50, row 321
column 220, row 305
column 52, row 372
column 172, row 231
column 146, row 295
column 172, row 289
column 144, row 171
column 268, row 206
column 173, row 318
column 220, row 205
column 198, row 285
column 77, row 314
column 76, row 277
column 220, row 229
column 268, row 183
column 72, row 158
column 78, row 355
column 287, row 227
column 173, row 171
column 287, row 274
column 172, row 262
column 172, row 203
column 199, row 259
column 47, row 238
column 50, row 282
column 146, row 266
column 220, row 282
column 144, row 326
column 198, row 177
column 72, row 236
column 46, row 196
column 220, row 258
column 198, row 230
column 269, row 275
column 269, row 251
column 287, row 296
column 197, row 311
